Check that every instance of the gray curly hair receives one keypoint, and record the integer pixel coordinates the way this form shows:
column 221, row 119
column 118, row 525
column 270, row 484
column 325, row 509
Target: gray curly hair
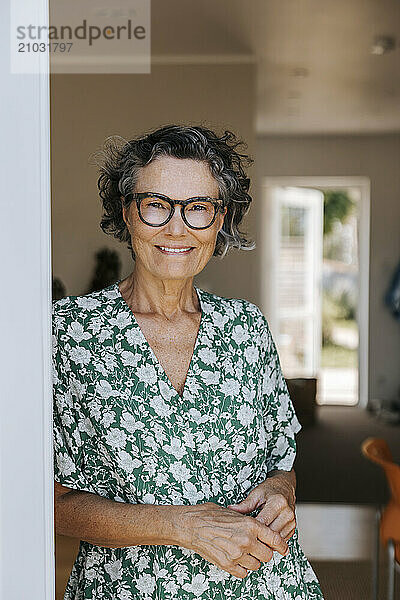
column 119, row 162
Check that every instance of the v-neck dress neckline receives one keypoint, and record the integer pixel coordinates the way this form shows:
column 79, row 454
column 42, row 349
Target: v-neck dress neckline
column 150, row 350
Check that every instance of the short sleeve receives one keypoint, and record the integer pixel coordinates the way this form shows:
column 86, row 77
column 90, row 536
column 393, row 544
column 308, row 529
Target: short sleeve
column 280, row 419
column 67, row 440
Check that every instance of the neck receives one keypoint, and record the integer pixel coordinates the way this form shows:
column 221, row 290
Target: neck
column 146, row 294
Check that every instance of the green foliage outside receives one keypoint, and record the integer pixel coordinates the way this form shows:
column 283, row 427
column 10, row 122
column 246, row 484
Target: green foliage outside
column 336, row 314
column 338, row 357
column 337, row 311
column 338, row 206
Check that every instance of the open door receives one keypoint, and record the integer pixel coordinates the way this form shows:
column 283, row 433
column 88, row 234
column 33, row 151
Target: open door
column 295, row 300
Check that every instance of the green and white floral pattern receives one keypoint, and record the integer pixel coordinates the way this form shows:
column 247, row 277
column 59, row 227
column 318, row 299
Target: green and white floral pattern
column 122, row 431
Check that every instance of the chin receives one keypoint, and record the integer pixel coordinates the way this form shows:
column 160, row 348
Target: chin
column 172, row 273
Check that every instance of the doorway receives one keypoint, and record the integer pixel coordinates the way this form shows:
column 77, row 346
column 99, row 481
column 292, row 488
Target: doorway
column 315, row 258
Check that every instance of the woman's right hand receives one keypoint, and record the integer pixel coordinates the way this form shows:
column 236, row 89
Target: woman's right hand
column 232, row 541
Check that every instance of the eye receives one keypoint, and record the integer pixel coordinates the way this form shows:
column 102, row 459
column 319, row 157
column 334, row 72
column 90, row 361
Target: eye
column 156, row 204
column 198, row 207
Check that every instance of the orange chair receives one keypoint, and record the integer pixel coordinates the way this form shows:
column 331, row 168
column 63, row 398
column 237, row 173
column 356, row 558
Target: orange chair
column 378, row 451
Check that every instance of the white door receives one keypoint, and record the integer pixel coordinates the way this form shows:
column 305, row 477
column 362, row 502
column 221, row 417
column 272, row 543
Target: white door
column 295, row 300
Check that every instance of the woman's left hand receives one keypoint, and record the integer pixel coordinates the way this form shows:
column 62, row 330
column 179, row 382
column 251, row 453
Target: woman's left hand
column 276, row 497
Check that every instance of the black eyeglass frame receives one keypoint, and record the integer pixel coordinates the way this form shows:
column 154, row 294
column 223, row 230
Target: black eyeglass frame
column 138, row 196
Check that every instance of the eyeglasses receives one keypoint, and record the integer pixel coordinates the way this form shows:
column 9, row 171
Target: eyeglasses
column 156, row 210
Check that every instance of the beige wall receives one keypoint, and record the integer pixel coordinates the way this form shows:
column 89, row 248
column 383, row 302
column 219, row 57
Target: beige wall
column 85, row 109
column 377, row 157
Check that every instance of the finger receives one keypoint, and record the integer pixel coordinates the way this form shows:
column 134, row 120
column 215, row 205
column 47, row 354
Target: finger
column 282, row 520
column 249, row 562
column 262, row 552
column 220, row 558
column 271, row 538
column 267, row 515
column 247, row 505
column 290, row 534
column 242, row 547
column 273, row 511
column 238, row 552
column 275, row 506
column 288, row 529
column 239, row 571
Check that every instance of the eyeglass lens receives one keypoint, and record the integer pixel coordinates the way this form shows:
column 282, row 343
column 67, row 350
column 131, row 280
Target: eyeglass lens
column 156, row 211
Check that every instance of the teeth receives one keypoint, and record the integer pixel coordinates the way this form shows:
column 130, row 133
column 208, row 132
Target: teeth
column 175, row 249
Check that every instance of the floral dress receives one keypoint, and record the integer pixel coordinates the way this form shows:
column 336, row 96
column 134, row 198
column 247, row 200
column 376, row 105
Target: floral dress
column 123, row 432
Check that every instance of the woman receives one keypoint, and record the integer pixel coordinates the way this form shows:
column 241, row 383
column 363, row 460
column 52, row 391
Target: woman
column 173, row 427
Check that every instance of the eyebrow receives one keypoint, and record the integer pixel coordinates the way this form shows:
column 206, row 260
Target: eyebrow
column 169, row 198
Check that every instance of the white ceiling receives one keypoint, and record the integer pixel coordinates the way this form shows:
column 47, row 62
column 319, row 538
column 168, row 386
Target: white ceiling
column 315, row 72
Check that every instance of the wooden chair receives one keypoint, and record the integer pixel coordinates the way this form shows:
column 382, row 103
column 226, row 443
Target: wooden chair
column 388, row 519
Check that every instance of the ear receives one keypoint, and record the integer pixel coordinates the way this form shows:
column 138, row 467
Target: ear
column 223, row 217
column 124, row 211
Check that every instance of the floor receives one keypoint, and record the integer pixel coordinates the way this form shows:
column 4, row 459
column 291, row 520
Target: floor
column 350, row 581
column 339, row 541
column 329, row 464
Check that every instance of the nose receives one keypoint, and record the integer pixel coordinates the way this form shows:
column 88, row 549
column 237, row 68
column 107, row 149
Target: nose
column 176, row 224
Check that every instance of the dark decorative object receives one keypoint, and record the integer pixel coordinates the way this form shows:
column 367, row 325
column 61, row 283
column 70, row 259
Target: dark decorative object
column 107, row 270
column 389, row 409
column 58, row 289
column 392, row 297
column 303, row 392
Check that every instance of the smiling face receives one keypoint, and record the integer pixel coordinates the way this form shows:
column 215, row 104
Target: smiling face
column 178, row 179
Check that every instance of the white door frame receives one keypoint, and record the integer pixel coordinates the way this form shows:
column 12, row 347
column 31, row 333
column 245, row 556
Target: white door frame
column 267, row 243
column 27, row 565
